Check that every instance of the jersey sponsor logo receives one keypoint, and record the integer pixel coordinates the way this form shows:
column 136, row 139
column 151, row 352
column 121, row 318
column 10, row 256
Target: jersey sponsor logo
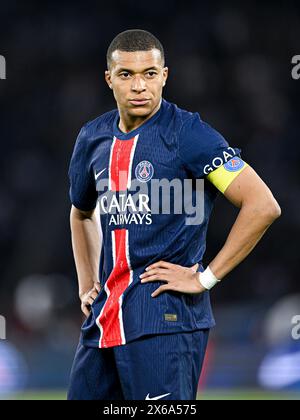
column 234, row 165
column 112, row 204
column 126, row 208
column 219, row 161
column 159, row 397
column 144, row 171
column 122, row 206
column 128, row 219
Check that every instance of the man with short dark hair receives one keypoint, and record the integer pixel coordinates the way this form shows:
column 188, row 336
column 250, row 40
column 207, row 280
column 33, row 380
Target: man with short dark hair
column 147, row 300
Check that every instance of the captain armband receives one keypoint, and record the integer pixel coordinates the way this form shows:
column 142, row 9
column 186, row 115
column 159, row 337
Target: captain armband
column 222, row 177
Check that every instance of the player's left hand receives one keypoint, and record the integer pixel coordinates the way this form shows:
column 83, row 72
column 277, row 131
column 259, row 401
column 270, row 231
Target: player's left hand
column 178, row 278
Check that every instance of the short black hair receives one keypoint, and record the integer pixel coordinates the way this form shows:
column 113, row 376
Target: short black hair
column 134, row 40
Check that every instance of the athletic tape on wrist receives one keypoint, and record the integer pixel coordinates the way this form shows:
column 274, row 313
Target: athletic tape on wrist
column 208, row 279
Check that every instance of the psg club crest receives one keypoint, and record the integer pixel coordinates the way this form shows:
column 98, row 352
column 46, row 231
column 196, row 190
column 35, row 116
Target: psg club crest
column 144, row 171
column 234, row 165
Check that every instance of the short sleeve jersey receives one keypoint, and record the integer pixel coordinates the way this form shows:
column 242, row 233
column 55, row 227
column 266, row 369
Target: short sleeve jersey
column 147, row 185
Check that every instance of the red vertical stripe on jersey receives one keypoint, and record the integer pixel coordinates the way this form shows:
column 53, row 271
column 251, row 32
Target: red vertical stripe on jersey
column 117, row 283
column 110, row 320
column 120, row 164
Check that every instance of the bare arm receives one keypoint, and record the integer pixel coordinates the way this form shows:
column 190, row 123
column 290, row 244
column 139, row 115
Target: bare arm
column 86, row 249
column 258, row 210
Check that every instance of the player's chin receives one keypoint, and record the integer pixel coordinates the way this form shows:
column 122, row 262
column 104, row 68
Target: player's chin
column 140, row 111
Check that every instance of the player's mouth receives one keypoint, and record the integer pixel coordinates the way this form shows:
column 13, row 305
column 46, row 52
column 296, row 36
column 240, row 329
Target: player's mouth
column 139, row 102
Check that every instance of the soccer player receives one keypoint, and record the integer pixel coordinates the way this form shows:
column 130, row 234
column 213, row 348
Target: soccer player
column 142, row 285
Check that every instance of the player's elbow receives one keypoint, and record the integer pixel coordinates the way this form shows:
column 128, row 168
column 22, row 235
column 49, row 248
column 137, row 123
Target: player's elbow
column 268, row 210
column 275, row 211
column 262, row 207
column 77, row 214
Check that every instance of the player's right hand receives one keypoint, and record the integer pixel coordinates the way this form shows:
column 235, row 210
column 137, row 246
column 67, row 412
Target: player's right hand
column 87, row 299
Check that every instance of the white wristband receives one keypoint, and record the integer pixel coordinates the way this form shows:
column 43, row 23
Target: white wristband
column 208, row 279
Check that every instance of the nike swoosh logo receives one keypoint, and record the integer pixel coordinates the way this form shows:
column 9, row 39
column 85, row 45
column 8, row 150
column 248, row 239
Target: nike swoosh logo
column 157, row 398
column 99, row 173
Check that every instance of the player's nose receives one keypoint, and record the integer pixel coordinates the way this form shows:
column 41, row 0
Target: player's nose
column 138, row 84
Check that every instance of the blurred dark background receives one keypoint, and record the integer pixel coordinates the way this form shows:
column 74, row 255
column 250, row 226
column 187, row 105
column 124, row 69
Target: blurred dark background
column 231, row 62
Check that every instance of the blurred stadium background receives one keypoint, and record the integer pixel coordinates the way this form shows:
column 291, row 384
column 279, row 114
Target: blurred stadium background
column 231, row 62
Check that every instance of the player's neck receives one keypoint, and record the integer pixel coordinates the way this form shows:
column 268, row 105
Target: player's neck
column 128, row 123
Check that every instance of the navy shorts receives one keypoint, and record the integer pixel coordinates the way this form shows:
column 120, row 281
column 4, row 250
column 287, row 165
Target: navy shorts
column 154, row 367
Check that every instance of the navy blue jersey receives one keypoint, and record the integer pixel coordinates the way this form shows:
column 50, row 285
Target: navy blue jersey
column 137, row 230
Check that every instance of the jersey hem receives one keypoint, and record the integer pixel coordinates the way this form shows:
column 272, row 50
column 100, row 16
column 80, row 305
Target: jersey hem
column 133, row 337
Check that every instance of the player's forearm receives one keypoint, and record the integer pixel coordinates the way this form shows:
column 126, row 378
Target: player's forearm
column 249, row 227
column 86, row 248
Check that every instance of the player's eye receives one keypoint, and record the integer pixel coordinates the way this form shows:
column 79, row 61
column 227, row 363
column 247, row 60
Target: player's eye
column 151, row 74
column 125, row 75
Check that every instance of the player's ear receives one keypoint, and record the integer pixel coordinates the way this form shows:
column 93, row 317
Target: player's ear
column 165, row 75
column 108, row 78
